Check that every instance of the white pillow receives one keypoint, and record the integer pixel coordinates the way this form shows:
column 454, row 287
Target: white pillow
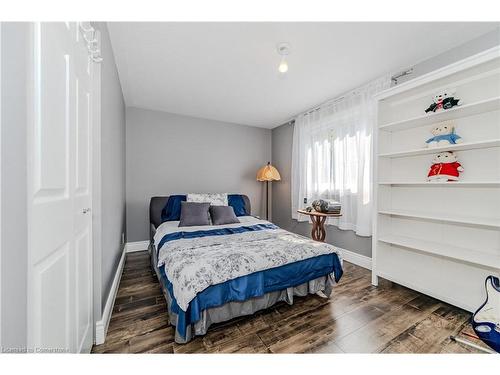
column 215, row 199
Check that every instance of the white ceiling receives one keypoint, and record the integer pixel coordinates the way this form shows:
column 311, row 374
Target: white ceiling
column 228, row 71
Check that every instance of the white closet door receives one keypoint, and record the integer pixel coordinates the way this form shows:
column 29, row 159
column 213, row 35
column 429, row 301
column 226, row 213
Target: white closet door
column 60, row 237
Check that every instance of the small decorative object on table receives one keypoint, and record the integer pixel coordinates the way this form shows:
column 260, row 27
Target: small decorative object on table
column 318, row 219
column 443, row 135
column 443, row 100
column 326, row 206
column 445, row 168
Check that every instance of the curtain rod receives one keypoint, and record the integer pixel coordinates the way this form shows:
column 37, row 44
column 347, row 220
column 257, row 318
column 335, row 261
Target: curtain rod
column 404, row 73
column 394, row 78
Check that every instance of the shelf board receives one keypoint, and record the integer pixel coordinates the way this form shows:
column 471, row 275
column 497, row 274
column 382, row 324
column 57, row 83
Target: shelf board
column 458, row 147
column 457, row 219
column 465, row 110
column 435, row 248
column 439, row 184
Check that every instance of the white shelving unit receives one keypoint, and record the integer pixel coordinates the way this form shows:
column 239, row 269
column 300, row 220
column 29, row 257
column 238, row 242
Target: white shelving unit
column 442, row 239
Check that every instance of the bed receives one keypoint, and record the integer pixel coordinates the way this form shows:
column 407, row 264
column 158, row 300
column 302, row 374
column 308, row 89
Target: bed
column 214, row 273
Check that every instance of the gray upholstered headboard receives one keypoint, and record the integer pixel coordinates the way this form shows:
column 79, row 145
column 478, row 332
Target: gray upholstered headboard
column 157, row 203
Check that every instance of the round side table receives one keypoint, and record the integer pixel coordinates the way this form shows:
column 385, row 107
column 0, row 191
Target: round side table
column 318, row 219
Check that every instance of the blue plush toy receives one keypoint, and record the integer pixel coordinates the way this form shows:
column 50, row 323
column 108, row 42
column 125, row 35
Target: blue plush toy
column 443, row 135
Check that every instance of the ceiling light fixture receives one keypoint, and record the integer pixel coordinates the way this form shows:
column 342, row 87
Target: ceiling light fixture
column 283, row 51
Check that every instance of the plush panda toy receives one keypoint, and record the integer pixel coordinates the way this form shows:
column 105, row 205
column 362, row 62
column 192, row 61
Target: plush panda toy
column 445, row 168
column 443, row 100
column 443, row 135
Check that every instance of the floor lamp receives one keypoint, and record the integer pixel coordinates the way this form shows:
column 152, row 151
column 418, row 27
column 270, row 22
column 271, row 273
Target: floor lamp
column 268, row 173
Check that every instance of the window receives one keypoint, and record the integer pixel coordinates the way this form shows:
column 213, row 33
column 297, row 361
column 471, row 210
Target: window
column 331, row 157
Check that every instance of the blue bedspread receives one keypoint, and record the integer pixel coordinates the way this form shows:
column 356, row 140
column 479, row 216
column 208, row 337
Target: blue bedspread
column 253, row 285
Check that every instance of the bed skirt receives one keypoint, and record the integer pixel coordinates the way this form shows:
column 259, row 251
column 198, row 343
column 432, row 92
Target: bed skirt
column 236, row 309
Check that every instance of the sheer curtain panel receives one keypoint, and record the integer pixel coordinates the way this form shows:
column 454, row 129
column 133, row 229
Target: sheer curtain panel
column 331, row 156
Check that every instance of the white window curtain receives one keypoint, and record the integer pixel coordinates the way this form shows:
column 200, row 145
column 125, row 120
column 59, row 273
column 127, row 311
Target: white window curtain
column 331, row 157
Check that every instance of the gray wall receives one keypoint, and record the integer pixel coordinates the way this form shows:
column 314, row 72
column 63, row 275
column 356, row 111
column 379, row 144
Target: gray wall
column 282, row 152
column 15, row 43
column 112, row 189
column 168, row 153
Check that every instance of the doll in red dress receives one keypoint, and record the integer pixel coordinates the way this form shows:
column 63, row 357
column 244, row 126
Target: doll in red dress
column 445, row 168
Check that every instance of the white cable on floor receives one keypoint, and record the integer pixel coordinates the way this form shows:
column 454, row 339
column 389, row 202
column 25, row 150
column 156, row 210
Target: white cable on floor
column 471, row 344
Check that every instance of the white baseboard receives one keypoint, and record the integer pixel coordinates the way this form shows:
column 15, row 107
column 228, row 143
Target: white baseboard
column 357, row 259
column 101, row 326
column 131, row 247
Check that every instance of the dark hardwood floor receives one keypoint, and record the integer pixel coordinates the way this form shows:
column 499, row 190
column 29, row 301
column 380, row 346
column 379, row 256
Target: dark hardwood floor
column 357, row 318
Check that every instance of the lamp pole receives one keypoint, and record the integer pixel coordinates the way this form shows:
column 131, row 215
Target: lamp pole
column 267, row 200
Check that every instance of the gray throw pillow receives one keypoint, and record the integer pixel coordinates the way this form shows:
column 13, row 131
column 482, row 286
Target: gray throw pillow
column 193, row 214
column 223, row 215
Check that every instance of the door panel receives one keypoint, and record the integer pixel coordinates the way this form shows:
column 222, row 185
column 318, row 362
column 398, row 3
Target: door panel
column 51, row 278
column 83, row 292
column 82, row 197
column 82, row 138
column 60, row 235
column 51, row 242
column 52, row 130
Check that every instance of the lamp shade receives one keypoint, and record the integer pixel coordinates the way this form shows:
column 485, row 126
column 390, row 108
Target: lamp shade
column 268, row 173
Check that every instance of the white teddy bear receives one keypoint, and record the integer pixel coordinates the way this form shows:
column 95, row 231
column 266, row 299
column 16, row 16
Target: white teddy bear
column 444, row 135
column 445, row 168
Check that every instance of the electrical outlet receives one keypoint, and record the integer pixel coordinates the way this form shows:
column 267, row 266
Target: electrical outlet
column 305, row 200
